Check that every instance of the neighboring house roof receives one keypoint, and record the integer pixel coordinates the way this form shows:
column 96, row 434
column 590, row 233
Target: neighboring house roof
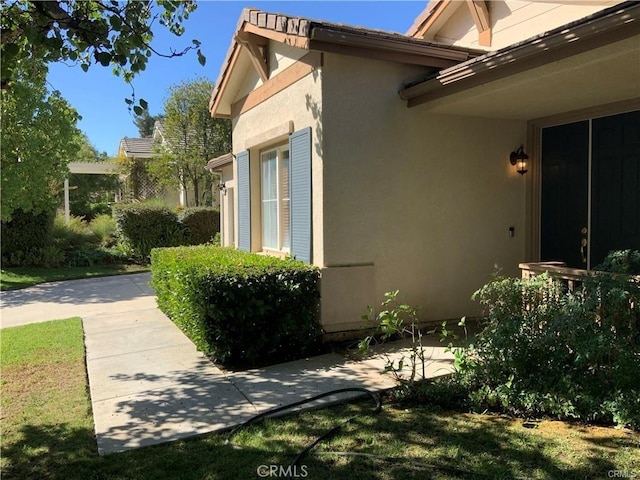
column 256, row 28
column 137, row 147
column 143, row 147
column 215, row 164
column 602, row 28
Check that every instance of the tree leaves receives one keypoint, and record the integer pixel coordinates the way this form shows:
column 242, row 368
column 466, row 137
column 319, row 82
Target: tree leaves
column 114, row 33
column 39, row 138
column 191, row 136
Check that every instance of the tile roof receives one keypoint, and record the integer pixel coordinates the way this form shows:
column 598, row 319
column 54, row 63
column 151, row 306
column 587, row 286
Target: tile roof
column 137, row 147
column 329, row 36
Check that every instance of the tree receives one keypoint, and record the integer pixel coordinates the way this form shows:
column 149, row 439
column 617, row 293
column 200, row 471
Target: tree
column 39, row 138
column 145, row 123
column 109, row 33
column 191, row 139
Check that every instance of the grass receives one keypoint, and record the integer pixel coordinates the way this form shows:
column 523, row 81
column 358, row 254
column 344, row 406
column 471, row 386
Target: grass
column 16, row 278
column 48, row 433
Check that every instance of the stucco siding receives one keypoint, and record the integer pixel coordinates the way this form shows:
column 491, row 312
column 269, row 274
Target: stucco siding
column 282, row 56
column 514, row 21
column 297, row 106
column 427, row 200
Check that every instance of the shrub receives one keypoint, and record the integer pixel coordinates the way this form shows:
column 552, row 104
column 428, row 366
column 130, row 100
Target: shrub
column 143, row 227
column 73, row 235
column 621, row 261
column 25, row 238
column 239, row 308
column 547, row 351
column 104, row 228
column 201, row 224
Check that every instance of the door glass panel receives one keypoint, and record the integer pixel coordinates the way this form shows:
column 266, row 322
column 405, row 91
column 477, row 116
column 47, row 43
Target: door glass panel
column 615, row 192
column 565, row 164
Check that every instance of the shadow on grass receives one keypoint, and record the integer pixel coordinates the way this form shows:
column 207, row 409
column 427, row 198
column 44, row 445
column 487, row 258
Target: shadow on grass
column 440, row 446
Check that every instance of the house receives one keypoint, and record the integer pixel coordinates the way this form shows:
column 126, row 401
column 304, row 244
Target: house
column 386, row 159
column 140, row 186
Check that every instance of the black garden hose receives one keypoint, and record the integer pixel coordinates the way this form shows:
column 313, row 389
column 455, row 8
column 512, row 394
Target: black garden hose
column 329, row 433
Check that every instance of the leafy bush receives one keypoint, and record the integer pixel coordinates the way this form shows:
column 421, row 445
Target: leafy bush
column 544, row 350
column 201, row 224
column 73, row 235
column 621, row 261
column 239, row 308
column 104, row 228
column 144, row 226
column 25, row 238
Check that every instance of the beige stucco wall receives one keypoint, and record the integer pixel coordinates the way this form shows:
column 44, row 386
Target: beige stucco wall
column 424, row 200
column 514, row 21
column 228, row 202
column 267, row 125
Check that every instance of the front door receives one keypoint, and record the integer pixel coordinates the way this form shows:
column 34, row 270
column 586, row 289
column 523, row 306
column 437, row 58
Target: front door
column 590, row 189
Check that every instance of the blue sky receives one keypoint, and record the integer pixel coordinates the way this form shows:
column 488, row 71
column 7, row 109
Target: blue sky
column 99, row 96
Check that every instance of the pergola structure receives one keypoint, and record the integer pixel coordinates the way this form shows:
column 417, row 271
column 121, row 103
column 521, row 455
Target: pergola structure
column 91, row 168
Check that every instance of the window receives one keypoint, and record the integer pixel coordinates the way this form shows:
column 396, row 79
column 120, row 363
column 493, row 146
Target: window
column 275, row 199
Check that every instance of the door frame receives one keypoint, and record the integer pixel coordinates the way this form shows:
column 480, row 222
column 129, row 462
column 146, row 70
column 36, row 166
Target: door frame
column 533, row 193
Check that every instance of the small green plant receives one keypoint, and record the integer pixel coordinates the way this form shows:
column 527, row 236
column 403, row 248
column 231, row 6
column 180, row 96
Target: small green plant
column 73, row 235
column 396, row 320
column 104, row 228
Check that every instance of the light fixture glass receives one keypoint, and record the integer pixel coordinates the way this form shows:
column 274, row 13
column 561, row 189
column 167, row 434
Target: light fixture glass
column 519, row 160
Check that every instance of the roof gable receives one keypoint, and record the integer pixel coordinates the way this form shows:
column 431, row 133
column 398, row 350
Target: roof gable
column 256, row 29
column 495, row 24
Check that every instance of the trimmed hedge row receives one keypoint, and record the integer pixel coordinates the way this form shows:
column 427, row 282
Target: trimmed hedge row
column 143, row 227
column 200, row 223
column 239, row 308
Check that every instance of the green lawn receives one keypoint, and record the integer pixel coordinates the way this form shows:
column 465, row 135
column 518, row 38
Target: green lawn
column 47, row 432
column 15, row 278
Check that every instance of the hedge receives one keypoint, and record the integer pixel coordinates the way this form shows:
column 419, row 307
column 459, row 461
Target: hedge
column 200, row 223
column 241, row 309
column 143, row 227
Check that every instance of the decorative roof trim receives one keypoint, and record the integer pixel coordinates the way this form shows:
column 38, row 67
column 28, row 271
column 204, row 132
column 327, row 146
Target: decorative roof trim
column 330, row 37
column 602, row 28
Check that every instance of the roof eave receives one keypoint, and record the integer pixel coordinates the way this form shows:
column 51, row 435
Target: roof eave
column 605, row 27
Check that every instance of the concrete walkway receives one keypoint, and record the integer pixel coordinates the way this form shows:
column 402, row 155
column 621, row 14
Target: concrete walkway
column 148, row 382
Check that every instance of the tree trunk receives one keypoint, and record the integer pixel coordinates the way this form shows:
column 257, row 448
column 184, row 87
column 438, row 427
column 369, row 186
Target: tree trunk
column 196, row 192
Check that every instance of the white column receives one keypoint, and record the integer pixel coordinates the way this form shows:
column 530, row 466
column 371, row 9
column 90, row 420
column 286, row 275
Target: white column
column 66, row 201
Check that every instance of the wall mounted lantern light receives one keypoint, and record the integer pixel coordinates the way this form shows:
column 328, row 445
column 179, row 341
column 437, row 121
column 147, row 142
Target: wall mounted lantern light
column 519, row 160
column 223, row 188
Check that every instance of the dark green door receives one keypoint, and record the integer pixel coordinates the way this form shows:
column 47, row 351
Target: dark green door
column 615, row 191
column 610, row 148
column 565, row 177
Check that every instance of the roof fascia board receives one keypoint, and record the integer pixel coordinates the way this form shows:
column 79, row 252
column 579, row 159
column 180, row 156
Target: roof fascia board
column 324, row 36
column 428, row 18
column 282, row 37
column 384, row 55
column 223, row 81
column 559, row 44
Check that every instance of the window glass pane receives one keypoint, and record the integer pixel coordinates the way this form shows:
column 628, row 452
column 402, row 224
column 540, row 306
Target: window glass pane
column 269, row 188
column 285, row 235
